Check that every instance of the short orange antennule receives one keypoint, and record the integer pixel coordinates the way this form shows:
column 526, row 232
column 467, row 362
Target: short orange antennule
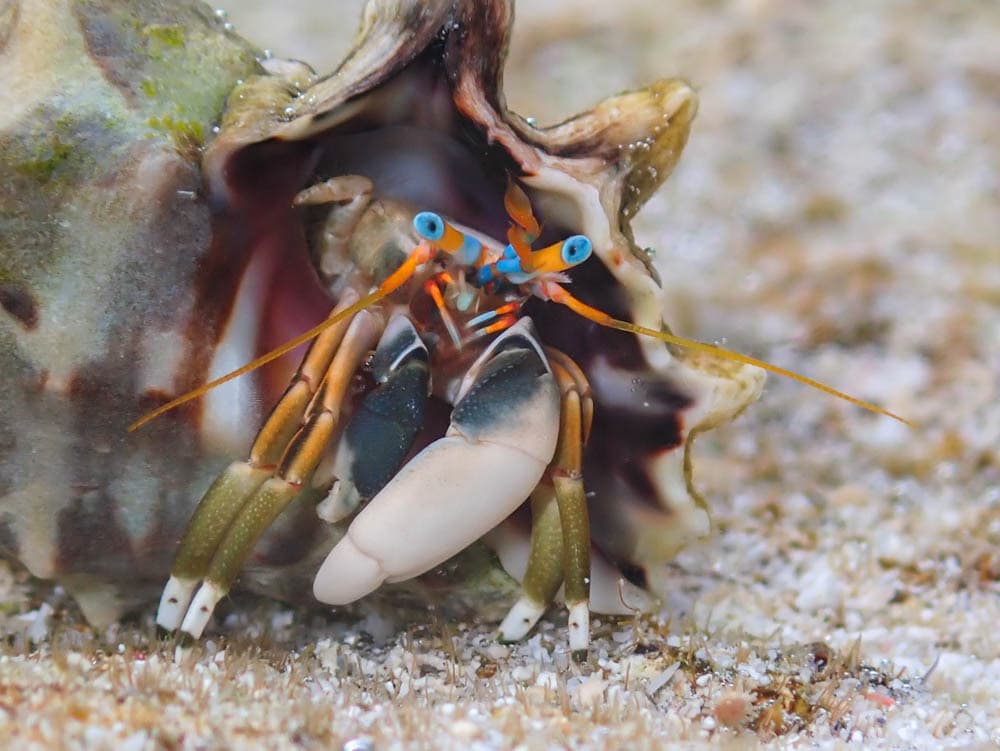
column 525, row 229
column 420, row 255
column 518, row 239
column 518, row 207
column 559, row 294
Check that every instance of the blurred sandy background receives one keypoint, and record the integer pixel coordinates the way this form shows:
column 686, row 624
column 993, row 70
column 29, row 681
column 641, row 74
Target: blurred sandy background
column 836, row 211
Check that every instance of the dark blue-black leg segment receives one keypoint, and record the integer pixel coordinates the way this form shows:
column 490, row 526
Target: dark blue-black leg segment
column 381, row 432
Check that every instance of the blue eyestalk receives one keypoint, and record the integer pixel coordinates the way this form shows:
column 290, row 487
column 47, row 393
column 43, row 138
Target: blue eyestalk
column 429, row 225
column 576, row 250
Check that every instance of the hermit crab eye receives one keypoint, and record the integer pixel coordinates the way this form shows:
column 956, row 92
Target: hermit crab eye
column 576, row 250
column 429, row 225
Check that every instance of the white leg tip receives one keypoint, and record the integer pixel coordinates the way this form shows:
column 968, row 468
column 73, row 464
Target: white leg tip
column 521, row 619
column 202, row 606
column 342, row 501
column 174, row 602
column 579, row 626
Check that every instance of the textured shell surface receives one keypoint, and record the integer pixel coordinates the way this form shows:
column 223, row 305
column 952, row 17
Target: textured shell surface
column 149, row 159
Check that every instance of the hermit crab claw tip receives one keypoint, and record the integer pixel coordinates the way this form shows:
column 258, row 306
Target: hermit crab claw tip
column 347, row 574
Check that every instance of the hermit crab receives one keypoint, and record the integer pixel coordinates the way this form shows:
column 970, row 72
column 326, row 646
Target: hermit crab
column 488, row 367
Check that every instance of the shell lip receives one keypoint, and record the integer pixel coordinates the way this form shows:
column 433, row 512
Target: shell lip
column 438, row 66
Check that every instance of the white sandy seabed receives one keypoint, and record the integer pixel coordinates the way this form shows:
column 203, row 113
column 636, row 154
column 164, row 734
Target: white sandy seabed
column 836, row 211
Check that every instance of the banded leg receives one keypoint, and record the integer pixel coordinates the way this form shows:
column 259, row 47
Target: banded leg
column 560, row 530
column 567, row 475
column 544, row 573
column 298, row 448
column 235, row 484
column 502, row 436
column 610, row 592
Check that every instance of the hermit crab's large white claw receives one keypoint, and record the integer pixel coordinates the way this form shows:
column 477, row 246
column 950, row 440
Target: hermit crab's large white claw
column 502, row 437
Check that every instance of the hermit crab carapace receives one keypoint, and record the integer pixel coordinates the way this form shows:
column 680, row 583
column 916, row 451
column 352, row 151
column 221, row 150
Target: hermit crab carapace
column 399, row 192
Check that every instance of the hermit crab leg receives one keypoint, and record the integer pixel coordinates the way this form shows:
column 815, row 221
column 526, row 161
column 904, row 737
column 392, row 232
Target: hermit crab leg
column 348, row 196
column 296, row 468
column 227, row 495
column 568, row 479
column 560, row 530
column 544, row 573
column 298, row 462
column 610, row 592
column 502, row 436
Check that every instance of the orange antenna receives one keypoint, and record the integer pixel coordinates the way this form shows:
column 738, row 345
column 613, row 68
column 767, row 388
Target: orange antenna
column 558, row 294
column 520, row 242
column 439, row 235
column 421, row 254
